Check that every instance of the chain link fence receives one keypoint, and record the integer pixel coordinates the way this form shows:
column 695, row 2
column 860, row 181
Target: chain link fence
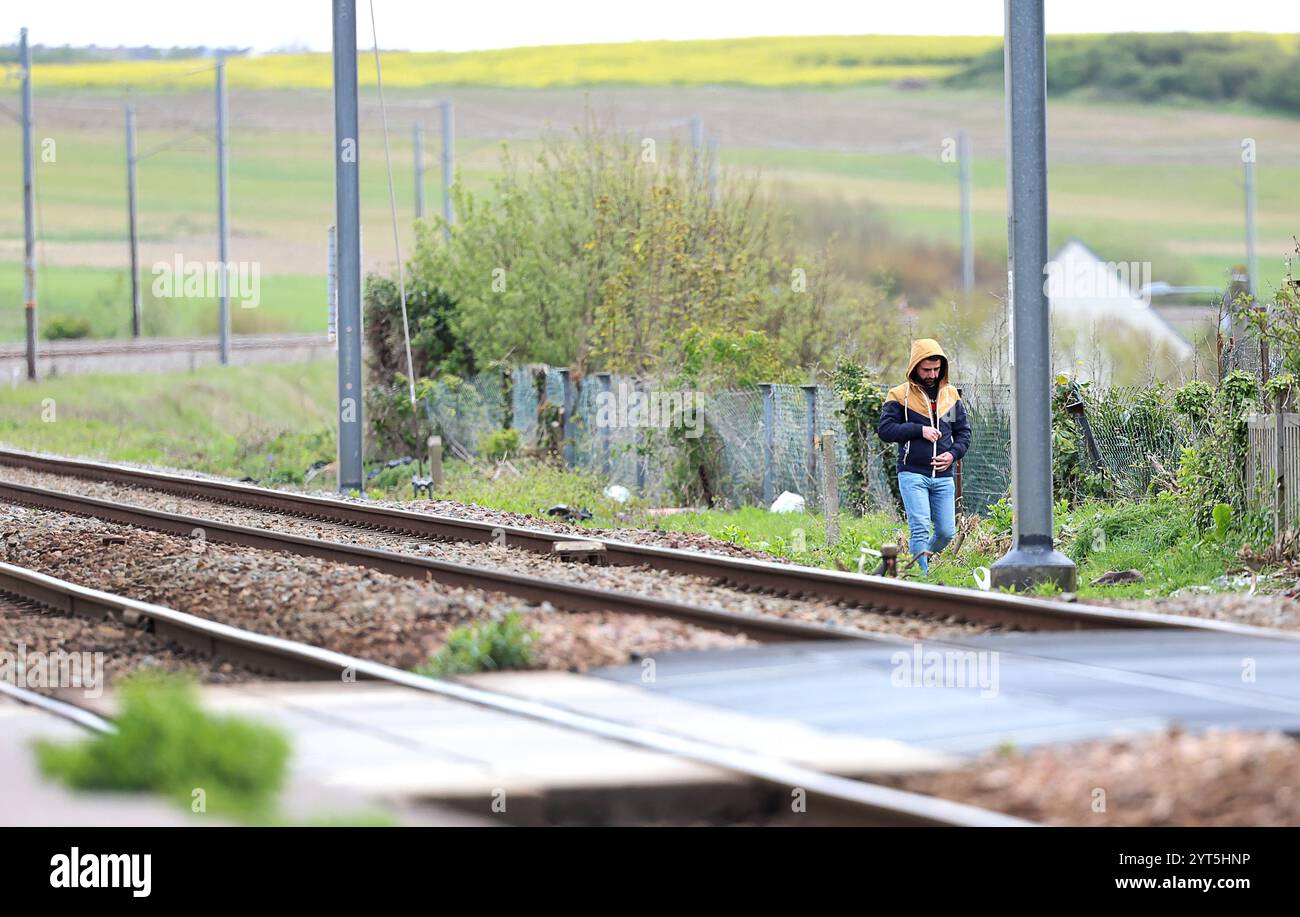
column 766, row 439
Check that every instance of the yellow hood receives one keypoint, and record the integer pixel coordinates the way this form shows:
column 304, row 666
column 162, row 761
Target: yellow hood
column 911, row 395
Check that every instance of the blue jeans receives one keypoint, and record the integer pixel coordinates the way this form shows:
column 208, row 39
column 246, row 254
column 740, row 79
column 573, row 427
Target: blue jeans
column 928, row 500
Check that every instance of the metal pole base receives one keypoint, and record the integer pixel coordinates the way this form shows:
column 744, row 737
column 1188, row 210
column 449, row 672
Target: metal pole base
column 1027, row 565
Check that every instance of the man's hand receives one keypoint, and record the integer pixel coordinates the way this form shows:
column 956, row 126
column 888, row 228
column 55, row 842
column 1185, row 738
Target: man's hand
column 942, row 461
column 931, row 433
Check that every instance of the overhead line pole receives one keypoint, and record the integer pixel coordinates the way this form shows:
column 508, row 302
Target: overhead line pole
column 967, row 235
column 223, row 215
column 448, row 148
column 418, row 140
column 1032, row 558
column 347, row 202
column 29, row 218
column 131, row 219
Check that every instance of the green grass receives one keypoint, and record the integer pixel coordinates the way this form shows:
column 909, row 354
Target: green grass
column 1154, row 536
column 102, row 297
column 258, row 421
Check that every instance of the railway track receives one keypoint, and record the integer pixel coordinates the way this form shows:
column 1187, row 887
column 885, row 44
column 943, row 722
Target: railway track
column 873, row 593
column 843, row 799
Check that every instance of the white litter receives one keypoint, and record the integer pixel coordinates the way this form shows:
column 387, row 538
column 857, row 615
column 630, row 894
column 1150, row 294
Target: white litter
column 788, row 503
column 618, row 493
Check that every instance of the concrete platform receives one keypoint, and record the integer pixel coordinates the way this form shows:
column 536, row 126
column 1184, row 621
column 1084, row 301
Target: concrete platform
column 28, row 800
column 1050, row 687
column 368, row 740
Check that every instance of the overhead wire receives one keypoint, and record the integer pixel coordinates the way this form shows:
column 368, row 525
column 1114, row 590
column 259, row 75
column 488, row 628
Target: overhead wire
column 392, row 200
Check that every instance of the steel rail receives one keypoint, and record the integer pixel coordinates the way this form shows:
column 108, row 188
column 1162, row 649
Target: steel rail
column 568, row 596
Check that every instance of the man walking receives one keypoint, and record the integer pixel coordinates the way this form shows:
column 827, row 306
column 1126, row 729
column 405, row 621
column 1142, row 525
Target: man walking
column 926, row 418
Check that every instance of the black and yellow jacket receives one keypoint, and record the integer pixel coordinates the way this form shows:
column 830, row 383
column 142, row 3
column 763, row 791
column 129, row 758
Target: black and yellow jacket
column 908, row 410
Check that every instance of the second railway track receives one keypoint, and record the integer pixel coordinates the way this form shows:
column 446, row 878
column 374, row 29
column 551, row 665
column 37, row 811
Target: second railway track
column 847, row 800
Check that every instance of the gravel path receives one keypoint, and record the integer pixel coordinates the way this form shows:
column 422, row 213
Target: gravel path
column 1218, row 778
column 342, row 607
column 639, row 580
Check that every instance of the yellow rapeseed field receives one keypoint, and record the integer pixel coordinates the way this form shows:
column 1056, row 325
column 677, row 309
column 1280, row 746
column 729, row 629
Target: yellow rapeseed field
column 800, row 61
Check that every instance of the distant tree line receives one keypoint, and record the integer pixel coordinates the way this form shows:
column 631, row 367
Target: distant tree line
column 1154, row 67
column 67, row 54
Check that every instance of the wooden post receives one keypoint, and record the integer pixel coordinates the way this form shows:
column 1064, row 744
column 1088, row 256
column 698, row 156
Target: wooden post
column 435, row 460
column 830, row 488
column 1279, row 477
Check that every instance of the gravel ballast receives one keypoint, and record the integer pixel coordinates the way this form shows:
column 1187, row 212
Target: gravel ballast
column 1218, row 778
column 636, row 580
column 342, row 607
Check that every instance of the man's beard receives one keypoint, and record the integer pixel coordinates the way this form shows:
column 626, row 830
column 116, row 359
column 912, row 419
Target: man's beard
column 931, row 388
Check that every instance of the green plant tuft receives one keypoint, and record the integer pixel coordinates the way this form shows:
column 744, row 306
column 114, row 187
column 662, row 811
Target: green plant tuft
column 486, row 647
column 166, row 743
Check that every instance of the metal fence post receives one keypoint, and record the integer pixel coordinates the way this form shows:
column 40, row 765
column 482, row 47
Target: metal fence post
column 640, row 441
column 567, row 401
column 769, row 442
column 810, row 395
column 605, row 467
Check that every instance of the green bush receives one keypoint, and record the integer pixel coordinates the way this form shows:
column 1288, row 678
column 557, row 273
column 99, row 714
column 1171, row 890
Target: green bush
column 1212, row 471
column 65, row 328
column 485, row 647
column 165, row 743
column 597, row 252
column 500, row 444
column 862, row 396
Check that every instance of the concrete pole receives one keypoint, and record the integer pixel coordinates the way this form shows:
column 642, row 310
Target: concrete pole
column 830, row 489
column 967, row 236
column 448, row 147
column 131, row 220
column 1032, row 558
column 347, row 202
column 418, row 133
column 223, row 214
column 1252, row 268
column 29, row 217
